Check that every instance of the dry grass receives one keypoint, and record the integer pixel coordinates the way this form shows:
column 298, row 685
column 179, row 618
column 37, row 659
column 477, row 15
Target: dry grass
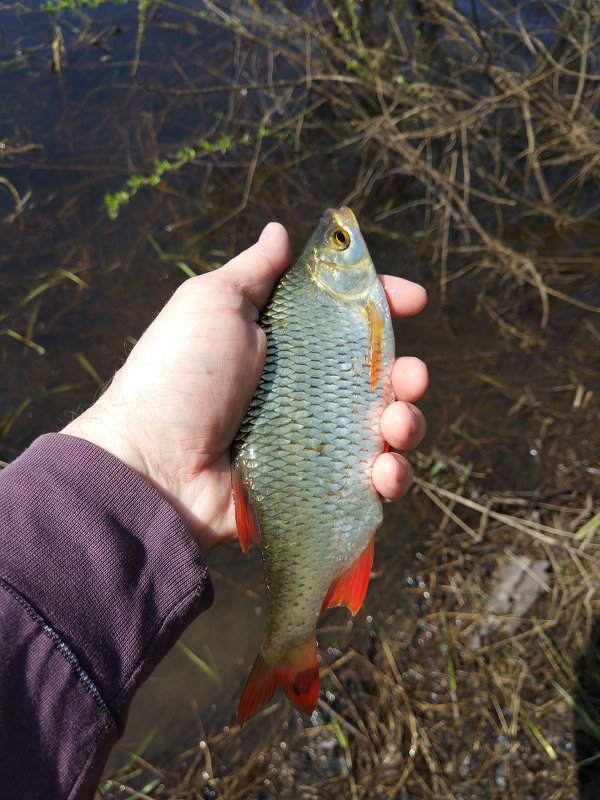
column 412, row 709
column 447, row 127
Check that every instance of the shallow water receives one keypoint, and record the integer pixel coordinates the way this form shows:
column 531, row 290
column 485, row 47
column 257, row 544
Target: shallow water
column 80, row 288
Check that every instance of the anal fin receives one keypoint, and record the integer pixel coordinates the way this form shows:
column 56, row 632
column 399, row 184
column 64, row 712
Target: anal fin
column 349, row 588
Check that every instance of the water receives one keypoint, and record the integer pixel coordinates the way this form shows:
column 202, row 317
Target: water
column 100, row 283
column 79, row 288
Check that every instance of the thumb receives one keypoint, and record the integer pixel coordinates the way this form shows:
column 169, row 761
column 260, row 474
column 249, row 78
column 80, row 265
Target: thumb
column 256, row 270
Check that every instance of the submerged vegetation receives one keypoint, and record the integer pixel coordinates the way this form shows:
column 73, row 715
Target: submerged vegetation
column 466, row 137
column 453, row 122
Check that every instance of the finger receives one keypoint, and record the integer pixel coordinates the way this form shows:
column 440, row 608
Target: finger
column 256, row 270
column 392, row 476
column 405, row 298
column 409, row 378
column 403, row 426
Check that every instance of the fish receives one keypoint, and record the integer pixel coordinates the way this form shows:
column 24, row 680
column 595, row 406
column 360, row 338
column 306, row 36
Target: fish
column 302, row 459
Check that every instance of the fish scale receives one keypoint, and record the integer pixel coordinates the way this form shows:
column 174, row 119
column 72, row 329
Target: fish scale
column 302, row 457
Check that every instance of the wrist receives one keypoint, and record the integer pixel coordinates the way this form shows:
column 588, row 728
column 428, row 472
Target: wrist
column 104, row 425
column 109, row 424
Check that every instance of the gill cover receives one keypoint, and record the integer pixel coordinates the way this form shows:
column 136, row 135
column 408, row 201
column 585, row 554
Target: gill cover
column 339, row 263
column 337, row 257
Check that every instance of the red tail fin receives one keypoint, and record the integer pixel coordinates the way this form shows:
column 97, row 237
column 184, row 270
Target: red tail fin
column 298, row 677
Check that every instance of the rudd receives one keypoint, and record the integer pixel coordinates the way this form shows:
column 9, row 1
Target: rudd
column 303, row 455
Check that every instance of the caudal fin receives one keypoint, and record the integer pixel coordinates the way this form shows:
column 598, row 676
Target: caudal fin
column 298, row 677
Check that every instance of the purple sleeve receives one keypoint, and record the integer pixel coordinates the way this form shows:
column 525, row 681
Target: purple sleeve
column 98, row 578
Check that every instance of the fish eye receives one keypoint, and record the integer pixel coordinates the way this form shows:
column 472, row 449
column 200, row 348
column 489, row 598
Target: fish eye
column 340, row 238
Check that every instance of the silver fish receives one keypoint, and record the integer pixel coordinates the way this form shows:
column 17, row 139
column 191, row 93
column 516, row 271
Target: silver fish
column 303, row 456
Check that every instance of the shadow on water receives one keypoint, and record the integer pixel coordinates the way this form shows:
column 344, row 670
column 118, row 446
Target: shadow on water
column 450, row 190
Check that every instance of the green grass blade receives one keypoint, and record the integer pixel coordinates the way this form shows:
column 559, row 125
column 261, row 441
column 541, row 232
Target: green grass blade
column 40, row 289
column 8, row 421
column 66, row 273
column 139, row 752
column 200, row 663
column 91, row 371
column 560, row 660
column 589, row 528
column 546, row 746
column 64, row 387
column 339, row 733
column 186, row 269
column 20, row 338
column 592, row 726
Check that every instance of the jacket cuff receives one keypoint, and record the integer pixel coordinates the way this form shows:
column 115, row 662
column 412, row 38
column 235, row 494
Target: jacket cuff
column 103, row 558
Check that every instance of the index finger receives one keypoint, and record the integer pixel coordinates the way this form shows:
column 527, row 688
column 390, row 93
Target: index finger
column 404, row 297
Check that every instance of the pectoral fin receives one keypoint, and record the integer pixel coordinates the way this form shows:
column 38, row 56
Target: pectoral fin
column 376, row 327
column 246, row 520
column 349, row 588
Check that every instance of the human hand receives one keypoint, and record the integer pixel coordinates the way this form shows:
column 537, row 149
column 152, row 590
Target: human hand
column 172, row 411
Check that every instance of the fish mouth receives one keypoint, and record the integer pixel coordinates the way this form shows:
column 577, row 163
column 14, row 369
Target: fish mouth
column 342, row 216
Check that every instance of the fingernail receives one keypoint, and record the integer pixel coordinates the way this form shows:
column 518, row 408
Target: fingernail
column 267, row 231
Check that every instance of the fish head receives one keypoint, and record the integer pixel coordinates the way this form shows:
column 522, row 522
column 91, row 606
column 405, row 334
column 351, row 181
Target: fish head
column 337, row 258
